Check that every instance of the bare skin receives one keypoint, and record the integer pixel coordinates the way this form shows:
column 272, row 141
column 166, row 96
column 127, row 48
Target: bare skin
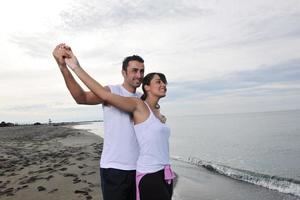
column 155, row 91
column 133, row 77
column 78, row 94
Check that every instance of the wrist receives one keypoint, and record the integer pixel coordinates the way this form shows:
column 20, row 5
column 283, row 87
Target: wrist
column 76, row 68
column 63, row 68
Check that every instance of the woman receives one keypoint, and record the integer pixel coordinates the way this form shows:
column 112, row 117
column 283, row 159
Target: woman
column 154, row 176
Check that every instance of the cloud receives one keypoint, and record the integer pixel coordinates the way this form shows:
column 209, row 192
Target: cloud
column 36, row 45
column 89, row 15
column 280, row 78
column 27, row 108
column 220, row 51
column 43, row 112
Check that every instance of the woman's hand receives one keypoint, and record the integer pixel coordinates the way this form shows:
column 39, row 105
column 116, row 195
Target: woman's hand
column 71, row 59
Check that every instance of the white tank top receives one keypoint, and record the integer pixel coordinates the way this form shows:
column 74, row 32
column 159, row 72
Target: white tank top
column 120, row 150
column 153, row 138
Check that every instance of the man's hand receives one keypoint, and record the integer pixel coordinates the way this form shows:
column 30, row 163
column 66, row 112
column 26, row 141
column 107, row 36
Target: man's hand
column 60, row 54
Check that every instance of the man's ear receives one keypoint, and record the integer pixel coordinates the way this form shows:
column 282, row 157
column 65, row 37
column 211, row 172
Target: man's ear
column 123, row 73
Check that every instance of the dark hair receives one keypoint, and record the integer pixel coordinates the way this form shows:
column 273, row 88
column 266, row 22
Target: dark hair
column 147, row 79
column 130, row 58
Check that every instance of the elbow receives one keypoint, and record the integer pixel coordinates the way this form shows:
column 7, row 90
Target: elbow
column 80, row 100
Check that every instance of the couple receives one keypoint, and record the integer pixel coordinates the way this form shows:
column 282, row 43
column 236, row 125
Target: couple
column 135, row 159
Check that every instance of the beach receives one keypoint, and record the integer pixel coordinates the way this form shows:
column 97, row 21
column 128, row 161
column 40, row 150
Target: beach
column 59, row 162
column 49, row 162
column 197, row 183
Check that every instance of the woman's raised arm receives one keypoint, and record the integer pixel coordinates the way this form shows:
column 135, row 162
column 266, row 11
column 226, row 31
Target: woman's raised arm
column 128, row 104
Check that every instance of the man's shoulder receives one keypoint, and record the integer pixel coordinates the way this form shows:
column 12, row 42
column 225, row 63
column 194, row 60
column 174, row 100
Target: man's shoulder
column 120, row 90
column 138, row 94
column 113, row 85
column 116, row 89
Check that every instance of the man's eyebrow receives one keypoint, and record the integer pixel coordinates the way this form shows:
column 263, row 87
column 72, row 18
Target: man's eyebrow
column 136, row 68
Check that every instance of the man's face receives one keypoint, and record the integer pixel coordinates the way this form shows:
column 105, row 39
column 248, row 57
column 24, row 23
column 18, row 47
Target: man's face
column 134, row 74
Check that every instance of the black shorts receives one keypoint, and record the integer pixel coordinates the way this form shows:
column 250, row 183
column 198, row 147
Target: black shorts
column 153, row 186
column 118, row 184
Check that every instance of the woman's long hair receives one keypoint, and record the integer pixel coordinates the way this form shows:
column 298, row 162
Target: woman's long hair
column 147, row 79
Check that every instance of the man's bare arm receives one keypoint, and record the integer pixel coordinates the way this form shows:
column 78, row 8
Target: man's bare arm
column 78, row 94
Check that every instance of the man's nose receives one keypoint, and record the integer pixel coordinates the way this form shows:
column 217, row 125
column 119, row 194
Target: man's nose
column 139, row 74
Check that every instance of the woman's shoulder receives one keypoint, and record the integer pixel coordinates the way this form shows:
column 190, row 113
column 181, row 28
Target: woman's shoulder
column 142, row 112
column 141, row 105
column 139, row 101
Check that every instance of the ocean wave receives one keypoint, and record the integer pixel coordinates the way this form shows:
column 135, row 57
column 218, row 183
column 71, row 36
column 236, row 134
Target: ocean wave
column 281, row 184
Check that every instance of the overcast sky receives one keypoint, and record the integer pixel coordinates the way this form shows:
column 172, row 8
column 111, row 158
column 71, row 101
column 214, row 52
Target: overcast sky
column 219, row 56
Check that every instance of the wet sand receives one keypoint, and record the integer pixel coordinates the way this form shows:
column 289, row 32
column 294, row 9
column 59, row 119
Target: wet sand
column 195, row 183
column 56, row 162
column 49, row 162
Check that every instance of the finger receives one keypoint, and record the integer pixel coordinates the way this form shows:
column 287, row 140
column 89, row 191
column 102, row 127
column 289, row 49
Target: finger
column 67, row 47
column 68, row 54
column 61, row 45
column 56, row 50
column 57, row 47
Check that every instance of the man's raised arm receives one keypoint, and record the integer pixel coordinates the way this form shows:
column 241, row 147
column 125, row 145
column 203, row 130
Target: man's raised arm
column 78, row 94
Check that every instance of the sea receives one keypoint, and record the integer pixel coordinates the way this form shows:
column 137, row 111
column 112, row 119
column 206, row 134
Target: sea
column 260, row 148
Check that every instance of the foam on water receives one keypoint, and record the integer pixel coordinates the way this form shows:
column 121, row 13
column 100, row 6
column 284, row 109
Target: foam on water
column 281, row 184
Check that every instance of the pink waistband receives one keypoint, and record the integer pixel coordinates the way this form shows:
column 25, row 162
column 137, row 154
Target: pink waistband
column 168, row 176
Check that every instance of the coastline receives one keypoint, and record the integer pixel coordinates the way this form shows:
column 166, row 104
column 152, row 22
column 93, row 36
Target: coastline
column 49, row 162
column 194, row 182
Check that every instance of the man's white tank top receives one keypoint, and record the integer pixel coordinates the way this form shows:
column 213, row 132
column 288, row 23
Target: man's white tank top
column 153, row 138
column 120, row 150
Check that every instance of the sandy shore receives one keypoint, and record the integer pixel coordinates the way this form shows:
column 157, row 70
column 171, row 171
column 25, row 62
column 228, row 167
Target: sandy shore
column 49, row 162
column 60, row 163
column 195, row 183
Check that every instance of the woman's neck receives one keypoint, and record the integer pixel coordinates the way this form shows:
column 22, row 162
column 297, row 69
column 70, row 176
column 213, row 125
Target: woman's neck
column 153, row 104
column 152, row 101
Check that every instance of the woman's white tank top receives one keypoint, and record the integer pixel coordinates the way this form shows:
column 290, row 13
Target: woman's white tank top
column 153, row 139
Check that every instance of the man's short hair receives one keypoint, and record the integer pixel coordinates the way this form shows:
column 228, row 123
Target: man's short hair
column 130, row 58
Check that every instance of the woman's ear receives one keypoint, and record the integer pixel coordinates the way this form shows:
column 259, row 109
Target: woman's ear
column 147, row 88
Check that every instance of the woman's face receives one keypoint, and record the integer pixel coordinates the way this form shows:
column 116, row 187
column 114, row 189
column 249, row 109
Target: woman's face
column 157, row 87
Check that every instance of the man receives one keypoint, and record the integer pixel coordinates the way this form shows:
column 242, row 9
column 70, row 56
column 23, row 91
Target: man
column 120, row 150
